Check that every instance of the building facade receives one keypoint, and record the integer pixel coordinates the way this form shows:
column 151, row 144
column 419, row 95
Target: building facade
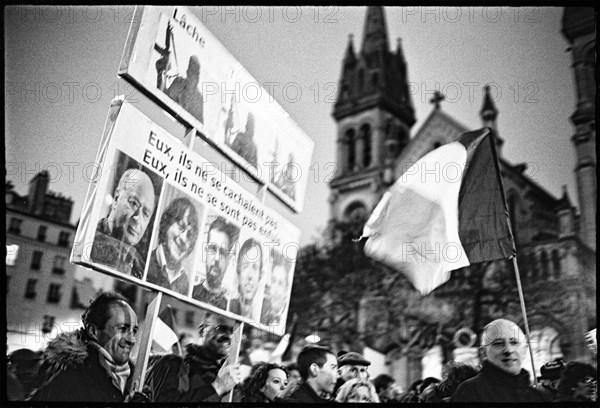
column 45, row 293
column 555, row 244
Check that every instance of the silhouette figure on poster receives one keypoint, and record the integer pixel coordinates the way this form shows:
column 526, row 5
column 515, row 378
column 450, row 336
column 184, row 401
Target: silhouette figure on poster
column 185, row 91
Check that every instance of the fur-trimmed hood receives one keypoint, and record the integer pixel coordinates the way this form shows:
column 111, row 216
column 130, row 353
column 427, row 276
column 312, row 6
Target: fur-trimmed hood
column 65, row 351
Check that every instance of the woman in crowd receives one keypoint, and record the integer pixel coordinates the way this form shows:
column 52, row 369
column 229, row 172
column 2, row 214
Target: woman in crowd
column 357, row 390
column 577, row 382
column 265, row 384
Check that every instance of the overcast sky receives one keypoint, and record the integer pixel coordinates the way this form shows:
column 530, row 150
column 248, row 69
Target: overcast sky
column 61, row 73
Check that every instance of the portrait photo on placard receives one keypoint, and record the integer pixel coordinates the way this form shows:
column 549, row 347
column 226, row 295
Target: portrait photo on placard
column 212, row 281
column 277, row 288
column 175, row 241
column 127, row 215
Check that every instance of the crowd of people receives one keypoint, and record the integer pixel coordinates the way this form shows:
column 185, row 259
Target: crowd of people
column 93, row 364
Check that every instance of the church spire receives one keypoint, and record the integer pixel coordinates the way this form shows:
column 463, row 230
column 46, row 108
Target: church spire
column 375, row 36
column 489, row 114
column 350, row 57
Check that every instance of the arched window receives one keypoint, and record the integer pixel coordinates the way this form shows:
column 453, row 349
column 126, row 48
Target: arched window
column 349, row 146
column 555, row 264
column 365, row 134
column 534, row 267
column 375, row 79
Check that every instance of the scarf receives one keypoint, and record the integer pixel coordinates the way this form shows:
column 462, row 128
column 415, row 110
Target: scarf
column 118, row 373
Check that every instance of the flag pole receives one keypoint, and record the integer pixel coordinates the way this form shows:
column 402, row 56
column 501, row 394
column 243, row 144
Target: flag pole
column 522, row 301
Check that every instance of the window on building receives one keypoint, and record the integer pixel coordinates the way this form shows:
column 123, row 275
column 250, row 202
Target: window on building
column 349, row 146
column 42, row 230
column 48, row 324
column 15, row 226
column 189, row 318
column 12, row 252
column 63, row 239
column 375, row 79
column 365, row 134
column 54, row 294
column 59, row 265
column 36, row 260
column 30, row 292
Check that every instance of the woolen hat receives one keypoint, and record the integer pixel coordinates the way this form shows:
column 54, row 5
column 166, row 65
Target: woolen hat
column 551, row 370
column 352, row 358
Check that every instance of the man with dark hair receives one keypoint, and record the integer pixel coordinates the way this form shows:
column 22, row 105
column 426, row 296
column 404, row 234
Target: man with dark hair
column 216, row 256
column 185, row 91
column 249, row 273
column 122, row 229
column 502, row 377
column 318, row 368
column 177, row 234
column 274, row 303
column 200, row 376
column 387, row 388
column 92, row 364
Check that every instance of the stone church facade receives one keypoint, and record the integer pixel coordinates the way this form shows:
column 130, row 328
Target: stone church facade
column 555, row 242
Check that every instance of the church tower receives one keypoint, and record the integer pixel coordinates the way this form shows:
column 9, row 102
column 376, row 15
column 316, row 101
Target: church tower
column 374, row 115
column 580, row 30
column 489, row 115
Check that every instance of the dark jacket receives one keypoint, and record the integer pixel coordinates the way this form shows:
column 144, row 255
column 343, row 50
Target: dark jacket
column 73, row 373
column 303, row 394
column 185, row 379
column 158, row 276
column 495, row 385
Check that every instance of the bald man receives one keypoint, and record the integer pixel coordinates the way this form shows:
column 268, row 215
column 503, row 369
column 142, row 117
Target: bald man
column 502, row 377
column 122, row 229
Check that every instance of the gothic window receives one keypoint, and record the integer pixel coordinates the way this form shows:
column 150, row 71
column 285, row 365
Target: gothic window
column 48, row 324
column 544, row 264
column 365, row 134
column 361, row 79
column 189, row 318
column 349, row 146
column 555, row 264
column 533, row 267
column 375, row 79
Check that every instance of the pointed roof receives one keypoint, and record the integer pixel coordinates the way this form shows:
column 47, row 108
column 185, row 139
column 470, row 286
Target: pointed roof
column 564, row 203
column 350, row 56
column 375, row 36
column 488, row 110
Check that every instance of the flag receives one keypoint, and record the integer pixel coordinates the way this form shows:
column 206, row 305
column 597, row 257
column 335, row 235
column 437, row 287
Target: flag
column 164, row 335
column 283, row 350
column 447, row 211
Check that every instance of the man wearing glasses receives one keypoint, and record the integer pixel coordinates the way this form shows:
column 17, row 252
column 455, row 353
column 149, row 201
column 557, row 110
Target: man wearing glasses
column 202, row 374
column 122, row 229
column 177, row 234
column 502, row 377
column 216, row 255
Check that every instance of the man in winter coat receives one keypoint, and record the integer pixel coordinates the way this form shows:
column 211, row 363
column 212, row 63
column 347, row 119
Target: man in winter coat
column 92, row 364
column 202, row 374
column 318, row 368
column 502, row 378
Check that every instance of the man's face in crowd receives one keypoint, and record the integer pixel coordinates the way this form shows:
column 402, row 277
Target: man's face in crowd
column 132, row 208
column 278, row 289
column 327, row 375
column 504, row 345
column 585, row 388
column 178, row 239
column 118, row 335
column 249, row 272
column 217, row 332
column 217, row 257
column 349, row 371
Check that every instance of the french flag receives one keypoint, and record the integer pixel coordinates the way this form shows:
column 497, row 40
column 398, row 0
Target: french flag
column 445, row 212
